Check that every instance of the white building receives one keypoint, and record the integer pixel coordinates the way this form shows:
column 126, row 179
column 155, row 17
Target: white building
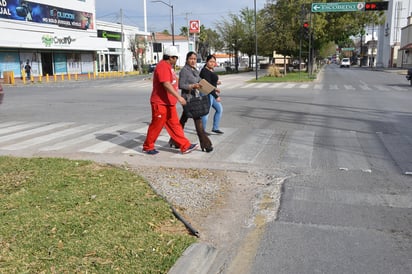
column 390, row 33
column 59, row 38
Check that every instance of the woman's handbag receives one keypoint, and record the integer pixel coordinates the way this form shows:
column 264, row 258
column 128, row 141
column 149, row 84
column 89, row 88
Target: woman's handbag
column 197, row 106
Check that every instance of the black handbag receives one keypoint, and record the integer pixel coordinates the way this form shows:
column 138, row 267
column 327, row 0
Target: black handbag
column 197, row 106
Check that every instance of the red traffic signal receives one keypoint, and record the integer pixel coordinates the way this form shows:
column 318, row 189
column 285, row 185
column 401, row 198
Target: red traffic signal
column 305, row 25
column 372, row 6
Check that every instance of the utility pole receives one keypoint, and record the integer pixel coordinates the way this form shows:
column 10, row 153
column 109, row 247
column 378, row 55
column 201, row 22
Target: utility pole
column 122, row 37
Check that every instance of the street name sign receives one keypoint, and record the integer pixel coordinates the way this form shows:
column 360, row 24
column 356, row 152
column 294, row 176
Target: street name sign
column 338, row 6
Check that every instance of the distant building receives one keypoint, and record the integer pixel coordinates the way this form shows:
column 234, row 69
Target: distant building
column 390, row 32
column 405, row 52
column 60, row 38
column 158, row 41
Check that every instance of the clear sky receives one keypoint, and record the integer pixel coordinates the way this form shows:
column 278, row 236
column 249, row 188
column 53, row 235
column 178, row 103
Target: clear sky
column 209, row 12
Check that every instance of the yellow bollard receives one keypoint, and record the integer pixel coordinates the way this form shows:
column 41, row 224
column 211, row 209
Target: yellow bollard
column 75, row 76
column 47, row 78
column 94, row 75
column 69, row 76
column 88, row 75
column 32, row 79
column 23, row 76
column 40, row 78
column 55, row 78
column 62, row 77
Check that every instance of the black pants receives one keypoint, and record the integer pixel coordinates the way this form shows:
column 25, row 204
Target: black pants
column 204, row 140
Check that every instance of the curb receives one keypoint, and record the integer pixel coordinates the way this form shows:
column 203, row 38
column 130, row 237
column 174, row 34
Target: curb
column 196, row 259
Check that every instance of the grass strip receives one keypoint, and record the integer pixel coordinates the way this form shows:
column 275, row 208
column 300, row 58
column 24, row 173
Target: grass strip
column 64, row 216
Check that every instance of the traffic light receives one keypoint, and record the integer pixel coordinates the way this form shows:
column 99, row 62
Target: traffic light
column 373, row 6
column 306, row 29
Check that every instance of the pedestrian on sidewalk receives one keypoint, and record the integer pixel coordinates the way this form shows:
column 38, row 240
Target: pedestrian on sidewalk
column 163, row 101
column 27, row 69
column 210, row 75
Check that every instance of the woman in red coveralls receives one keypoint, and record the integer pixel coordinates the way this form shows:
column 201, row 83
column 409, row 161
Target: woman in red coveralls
column 163, row 101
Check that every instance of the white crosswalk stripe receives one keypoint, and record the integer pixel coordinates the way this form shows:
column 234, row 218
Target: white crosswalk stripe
column 297, row 151
column 27, row 133
column 45, row 139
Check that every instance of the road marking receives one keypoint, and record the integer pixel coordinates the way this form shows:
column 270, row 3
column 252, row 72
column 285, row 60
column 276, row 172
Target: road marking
column 83, row 138
column 8, row 124
column 349, row 87
column 290, row 85
column 252, row 145
column 46, row 138
column 299, row 149
column 303, row 193
column 19, row 127
column 349, row 152
column 26, row 133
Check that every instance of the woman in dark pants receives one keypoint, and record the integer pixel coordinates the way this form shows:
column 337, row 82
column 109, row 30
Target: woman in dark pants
column 188, row 82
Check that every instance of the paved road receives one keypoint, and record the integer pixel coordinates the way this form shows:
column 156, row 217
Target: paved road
column 344, row 144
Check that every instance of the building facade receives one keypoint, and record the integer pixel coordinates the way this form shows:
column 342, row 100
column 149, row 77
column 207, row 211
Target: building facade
column 405, row 52
column 390, row 33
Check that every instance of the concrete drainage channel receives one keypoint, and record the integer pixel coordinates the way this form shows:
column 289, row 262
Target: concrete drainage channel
column 201, row 258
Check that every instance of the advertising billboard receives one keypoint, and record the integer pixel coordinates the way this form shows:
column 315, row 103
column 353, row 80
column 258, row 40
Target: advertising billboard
column 45, row 14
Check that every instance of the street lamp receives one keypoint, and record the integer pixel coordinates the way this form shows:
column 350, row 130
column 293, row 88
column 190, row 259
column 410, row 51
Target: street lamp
column 173, row 19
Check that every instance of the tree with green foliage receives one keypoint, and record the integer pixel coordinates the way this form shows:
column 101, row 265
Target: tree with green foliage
column 233, row 34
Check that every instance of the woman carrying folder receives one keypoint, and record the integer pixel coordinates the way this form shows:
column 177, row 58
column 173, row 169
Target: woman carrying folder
column 208, row 74
column 188, row 82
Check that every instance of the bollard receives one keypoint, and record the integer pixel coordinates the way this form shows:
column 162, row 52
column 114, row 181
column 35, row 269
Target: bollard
column 75, row 76
column 69, row 76
column 47, row 77
column 55, row 78
column 88, row 75
column 40, row 78
column 62, row 77
column 32, row 79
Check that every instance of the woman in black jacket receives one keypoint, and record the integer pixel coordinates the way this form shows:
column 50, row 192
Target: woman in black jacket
column 208, row 74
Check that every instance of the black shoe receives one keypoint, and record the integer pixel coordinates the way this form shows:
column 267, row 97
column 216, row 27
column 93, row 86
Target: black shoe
column 207, row 149
column 217, row 131
column 173, row 145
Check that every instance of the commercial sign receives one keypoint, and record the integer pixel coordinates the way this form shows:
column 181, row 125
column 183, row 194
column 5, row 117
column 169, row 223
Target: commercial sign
column 41, row 13
column 110, row 35
column 338, row 6
column 194, row 26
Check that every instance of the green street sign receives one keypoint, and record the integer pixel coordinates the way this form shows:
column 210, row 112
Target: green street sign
column 338, row 6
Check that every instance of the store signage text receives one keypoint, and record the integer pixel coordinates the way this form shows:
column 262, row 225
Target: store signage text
column 110, row 35
column 49, row 40
column 3, row 8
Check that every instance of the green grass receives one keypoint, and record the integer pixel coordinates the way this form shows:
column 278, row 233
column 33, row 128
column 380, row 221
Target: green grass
column 63, row 216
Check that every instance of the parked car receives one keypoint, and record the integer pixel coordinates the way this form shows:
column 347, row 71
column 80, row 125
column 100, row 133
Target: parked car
column 200, row 65
column 151, row 68
column 345, row 63
column 409, row 75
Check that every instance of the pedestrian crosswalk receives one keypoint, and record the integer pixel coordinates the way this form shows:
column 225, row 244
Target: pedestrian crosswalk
column 240, row 83
column 283, row 148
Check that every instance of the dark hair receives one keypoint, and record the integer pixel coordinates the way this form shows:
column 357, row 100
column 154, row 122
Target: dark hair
column 210, row 56
column 190, row 53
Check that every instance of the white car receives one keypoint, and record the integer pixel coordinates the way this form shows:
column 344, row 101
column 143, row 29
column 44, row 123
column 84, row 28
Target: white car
column 200, row 65
column 345, row 63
